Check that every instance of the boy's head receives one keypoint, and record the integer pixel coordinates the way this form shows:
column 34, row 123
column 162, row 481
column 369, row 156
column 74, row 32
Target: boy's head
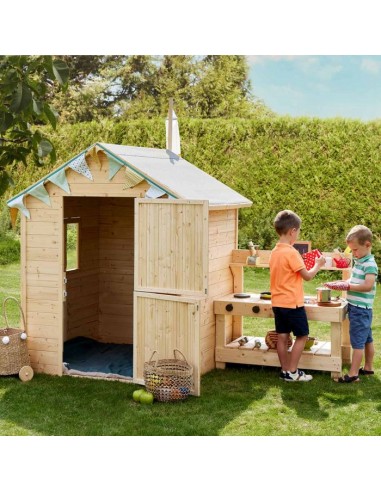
column 359, row 239
column 285, row 221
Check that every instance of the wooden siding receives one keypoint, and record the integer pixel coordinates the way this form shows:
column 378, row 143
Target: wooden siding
column 223, row 229
column 116, row 270
column 171, row 247
column 163, row 323
column 41, row 283
column 83, row 284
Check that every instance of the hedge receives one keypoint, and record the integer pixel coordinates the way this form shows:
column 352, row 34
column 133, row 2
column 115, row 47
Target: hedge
column 327, row 171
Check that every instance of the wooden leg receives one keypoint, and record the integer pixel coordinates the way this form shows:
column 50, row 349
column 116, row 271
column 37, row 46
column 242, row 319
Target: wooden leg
column 220, row 365
column 237, row 327
column 345, row 342
column 221, row 335
column 336, row 346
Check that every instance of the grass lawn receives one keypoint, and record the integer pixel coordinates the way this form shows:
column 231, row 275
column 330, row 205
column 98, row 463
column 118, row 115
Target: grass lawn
column 239, row 401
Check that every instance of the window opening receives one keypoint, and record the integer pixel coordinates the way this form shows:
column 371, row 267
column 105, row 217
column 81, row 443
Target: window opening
column 71, row 243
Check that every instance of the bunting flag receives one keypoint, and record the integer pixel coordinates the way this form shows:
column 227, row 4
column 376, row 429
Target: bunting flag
column 59, row 179
column 114, row 167
column 132, row 178
column 18, row 203
column 93, row 153
column 40, row 193
column 79, row 165
column 13, row 212
column 154, row 192
column 175, row 134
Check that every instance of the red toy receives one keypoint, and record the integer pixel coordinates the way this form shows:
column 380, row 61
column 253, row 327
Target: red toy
column 338, row 285
column 310, row 257
column 342, row 262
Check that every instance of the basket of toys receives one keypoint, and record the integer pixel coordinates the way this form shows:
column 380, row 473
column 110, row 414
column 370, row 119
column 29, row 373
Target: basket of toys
column 168, row 379
column 14, row 356
column 271, row 339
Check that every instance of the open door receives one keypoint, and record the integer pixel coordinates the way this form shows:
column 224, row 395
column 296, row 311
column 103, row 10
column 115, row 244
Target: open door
column 171, row 246
column 171, row 257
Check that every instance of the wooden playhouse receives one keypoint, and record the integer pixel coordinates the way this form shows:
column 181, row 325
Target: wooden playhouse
column 153, row 238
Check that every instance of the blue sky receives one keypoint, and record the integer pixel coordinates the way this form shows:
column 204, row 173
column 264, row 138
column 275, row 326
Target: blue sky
column 327, row 86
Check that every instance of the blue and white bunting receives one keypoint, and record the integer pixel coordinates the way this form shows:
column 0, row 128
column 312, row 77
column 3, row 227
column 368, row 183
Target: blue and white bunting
column 79, row 165
column 18, row 202
column 40, row 193
column 60, row 180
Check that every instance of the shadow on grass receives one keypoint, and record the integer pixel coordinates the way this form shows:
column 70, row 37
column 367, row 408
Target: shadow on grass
column 241, row 400
column 67, row 406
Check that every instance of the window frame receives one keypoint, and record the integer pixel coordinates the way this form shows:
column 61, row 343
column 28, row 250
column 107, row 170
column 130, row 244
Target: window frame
column 68, row 221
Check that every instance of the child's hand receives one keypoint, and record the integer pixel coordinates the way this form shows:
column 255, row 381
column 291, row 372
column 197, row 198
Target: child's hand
column 320, row 261
column 338, row 285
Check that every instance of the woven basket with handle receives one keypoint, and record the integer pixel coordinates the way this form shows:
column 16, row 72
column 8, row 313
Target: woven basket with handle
column 168, row 379
column 13, row 348
column 271, row 339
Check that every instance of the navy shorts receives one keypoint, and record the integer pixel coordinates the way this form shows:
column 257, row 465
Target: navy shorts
column 360, row 326
column 289, row 320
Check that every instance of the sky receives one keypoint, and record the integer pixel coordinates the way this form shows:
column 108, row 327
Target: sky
column 327, row 86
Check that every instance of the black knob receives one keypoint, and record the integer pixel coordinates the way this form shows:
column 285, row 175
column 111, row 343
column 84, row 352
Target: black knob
column 229, row 307
column 256, row 309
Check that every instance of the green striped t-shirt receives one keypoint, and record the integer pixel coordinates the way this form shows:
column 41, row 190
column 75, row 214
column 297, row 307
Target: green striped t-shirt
column 363, row 266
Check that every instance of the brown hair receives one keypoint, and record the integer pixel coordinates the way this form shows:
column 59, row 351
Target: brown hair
column 286, row 220
column 361, row 233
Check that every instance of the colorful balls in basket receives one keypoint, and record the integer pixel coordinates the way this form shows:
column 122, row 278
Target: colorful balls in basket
column 167, row 394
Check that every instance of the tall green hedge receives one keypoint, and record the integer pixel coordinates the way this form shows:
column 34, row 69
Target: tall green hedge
column 327, row 171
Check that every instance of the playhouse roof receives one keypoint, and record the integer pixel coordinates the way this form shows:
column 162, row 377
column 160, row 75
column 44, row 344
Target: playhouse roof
column 165, row 171
column 176, row 175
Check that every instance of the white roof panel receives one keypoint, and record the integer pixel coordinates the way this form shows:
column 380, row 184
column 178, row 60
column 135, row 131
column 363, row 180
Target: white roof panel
column 178, row 176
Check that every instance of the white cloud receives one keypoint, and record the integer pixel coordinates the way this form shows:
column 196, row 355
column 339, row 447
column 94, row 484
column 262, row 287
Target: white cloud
column 319, row 67
column 370, row 66
column 255, row 59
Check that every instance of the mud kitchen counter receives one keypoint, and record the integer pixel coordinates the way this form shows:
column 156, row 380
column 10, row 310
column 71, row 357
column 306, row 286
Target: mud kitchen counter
column 324, row 356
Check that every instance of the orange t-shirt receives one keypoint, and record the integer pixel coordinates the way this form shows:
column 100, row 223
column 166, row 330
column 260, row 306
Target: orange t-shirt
column 286, row 283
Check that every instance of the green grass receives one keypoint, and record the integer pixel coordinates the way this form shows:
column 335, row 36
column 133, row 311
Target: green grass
column 239, row 401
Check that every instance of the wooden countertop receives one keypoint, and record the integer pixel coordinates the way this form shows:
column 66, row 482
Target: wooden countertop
column 253, row 306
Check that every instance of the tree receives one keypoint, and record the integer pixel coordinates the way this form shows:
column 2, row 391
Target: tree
column 26, row 83
column 138, row 86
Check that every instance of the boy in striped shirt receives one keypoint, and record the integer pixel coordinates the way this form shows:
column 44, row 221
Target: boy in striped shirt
column 361, row 289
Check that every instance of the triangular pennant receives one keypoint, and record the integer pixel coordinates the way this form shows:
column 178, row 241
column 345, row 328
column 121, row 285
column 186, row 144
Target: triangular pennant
column 18, row 202
column 59, row 179
column 40, row 193
column 93, row 153
column 79, row 165
column 14, row 212
column 132, row 178
column 154, row 192
column 113, row 167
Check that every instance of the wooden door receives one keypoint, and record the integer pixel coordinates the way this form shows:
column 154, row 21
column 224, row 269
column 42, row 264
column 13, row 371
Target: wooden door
column 164, row 323
column 171, row 246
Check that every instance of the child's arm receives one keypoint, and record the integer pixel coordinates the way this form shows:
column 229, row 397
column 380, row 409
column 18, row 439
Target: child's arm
column 310, row 274
column 367, row 286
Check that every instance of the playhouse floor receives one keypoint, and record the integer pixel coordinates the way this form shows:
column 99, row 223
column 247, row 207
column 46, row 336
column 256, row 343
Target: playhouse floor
column 92, row 358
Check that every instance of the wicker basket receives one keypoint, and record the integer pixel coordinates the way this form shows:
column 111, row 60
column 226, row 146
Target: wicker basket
column 271, row 339
column 13, row 349
column 168, row 379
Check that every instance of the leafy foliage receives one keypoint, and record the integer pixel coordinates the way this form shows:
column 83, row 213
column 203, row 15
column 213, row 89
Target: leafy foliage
column 25, row 85
column 139, row 86
column 327, row 171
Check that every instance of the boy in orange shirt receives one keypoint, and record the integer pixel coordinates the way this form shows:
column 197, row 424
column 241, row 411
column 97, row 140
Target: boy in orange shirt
column 287, row 272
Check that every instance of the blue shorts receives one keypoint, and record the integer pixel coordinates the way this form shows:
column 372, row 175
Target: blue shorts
column 289, row 320
column 360, row 326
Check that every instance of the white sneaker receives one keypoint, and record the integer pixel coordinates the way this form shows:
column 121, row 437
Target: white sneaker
column 298, row 375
